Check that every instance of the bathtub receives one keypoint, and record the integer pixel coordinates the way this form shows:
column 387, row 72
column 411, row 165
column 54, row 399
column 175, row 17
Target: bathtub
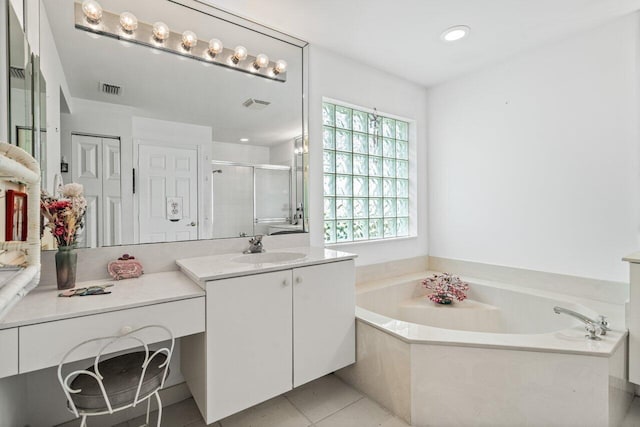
column 500, row 358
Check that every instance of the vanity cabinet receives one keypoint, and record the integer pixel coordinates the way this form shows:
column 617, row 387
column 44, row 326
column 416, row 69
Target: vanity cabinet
column 633, row 317
column 249, row 348
column 8, row 352
column 267, row 333
column 324, row 320
column 182, row 317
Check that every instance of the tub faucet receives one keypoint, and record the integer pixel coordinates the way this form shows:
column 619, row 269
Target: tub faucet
column 255, row 245
column 593, row 327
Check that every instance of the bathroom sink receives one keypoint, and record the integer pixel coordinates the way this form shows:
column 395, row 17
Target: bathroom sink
column 268, row 257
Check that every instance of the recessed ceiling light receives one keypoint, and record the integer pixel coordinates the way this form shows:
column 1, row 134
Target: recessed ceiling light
column 455, row 33
column 244, row 139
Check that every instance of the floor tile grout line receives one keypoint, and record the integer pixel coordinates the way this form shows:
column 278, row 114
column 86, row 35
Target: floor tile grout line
column 334, row 412
column 298, row 409
column 350, row 404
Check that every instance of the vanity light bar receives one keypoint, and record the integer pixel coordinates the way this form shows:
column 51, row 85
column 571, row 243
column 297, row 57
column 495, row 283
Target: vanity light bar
column 184, row 44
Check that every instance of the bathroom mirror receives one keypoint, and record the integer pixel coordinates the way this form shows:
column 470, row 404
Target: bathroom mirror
column 152, row 135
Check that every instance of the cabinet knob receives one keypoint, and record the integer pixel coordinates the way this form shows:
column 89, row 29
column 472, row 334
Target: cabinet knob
column 285, row 282
column 125, row 330
column 298, row 279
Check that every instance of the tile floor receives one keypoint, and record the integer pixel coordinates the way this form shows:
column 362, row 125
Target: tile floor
column 326, row 402
column 633, row 416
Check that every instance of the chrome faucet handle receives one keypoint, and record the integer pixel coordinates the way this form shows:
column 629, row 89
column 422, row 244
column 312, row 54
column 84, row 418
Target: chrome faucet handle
column 255, row 245
column 603, row 323
column 592, row 332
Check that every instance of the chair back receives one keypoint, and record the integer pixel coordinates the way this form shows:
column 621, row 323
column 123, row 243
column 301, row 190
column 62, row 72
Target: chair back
column 107, row 343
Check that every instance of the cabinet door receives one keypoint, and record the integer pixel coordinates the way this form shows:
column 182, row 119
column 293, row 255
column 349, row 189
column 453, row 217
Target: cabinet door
column 8, row 352
column 324, row 320
column 249, row 333
column 633, row 313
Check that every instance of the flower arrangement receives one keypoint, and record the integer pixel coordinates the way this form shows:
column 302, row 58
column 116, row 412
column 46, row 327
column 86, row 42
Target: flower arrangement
column 446, row 288
column 65, row 215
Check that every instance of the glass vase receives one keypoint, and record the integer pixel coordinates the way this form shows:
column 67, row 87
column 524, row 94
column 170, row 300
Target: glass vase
column 66, row 263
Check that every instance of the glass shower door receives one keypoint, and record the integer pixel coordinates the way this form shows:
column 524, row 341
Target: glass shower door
column 273, row 197
column 232, row 200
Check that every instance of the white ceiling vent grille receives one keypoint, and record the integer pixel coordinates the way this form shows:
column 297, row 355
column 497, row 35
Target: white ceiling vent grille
column 110, row 89
column 255, row 104
column 17, row 73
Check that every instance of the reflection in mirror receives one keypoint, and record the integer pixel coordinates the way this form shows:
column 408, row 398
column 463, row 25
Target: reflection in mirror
column 20, row 84
column 40, row 151
column 144, row 129
column 96, row 165
column 252, row 199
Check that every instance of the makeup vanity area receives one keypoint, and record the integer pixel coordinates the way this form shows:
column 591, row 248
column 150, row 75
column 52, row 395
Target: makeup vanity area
column 146, row 125
column 250, row 331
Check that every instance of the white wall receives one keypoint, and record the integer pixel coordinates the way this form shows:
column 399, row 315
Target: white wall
column 338, row 77
column 533, row 163
column 242, row 153
column 282, row 154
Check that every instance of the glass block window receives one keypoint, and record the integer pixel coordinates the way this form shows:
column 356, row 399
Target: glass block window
column 366, row 175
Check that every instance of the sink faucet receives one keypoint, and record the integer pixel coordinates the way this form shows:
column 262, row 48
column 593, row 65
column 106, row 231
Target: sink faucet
column 255, row 245
column 593, row 327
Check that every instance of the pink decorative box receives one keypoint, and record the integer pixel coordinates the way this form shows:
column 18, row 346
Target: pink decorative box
column 126, row 267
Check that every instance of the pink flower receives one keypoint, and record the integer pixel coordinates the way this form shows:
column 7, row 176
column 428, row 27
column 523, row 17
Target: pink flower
column 445, row 288
column 64, row 217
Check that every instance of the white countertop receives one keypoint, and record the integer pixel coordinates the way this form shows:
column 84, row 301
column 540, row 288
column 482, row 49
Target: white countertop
column 215, row 267
column 43, row 304
column 633, row 258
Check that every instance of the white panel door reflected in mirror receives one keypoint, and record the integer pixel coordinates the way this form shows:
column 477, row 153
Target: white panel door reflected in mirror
column 164, row 173
column 95, row 163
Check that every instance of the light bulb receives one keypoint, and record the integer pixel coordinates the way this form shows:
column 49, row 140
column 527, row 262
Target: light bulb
column 92, row 11
column 215, row 47
column 261, row 61
column 128, row 21
column 281, row 67
column 239, row 54
column 161, row 31
column 189, row 39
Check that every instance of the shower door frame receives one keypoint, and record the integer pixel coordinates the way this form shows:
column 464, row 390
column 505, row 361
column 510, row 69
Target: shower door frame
column 253, row 167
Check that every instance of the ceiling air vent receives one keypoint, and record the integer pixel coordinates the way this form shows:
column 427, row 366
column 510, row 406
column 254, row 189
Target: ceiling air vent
column 110, row 89
column 17, row 73
column 255, row 104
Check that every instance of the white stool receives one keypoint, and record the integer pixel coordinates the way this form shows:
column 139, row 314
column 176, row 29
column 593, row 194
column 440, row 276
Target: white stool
column 117, row 383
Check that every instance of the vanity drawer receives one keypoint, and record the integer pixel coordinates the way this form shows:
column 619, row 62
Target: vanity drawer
column 8, row 352
column 44, row 344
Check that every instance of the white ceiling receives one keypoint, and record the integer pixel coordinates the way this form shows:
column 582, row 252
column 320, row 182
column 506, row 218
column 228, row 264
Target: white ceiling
column 403, row 36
